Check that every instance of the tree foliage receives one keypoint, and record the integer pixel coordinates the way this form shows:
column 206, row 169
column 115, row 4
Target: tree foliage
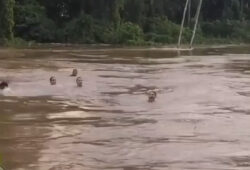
column 6, row 19
column 120, row 21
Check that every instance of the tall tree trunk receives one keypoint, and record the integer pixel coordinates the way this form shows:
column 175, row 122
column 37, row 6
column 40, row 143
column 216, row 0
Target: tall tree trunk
column 182, row 23
column 115, row 8
column 196, row 23
column 6, row 19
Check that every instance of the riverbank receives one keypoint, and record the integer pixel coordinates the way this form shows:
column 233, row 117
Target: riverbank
column 210, row 43
column 91, row 51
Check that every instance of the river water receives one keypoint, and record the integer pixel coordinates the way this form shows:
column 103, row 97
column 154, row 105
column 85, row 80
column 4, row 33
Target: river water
column 199, row 120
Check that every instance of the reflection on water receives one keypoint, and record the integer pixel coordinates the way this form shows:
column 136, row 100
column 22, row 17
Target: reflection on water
column 200, row 119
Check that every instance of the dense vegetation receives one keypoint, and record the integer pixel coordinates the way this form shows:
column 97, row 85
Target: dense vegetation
column 6, row 20
column 122, row 21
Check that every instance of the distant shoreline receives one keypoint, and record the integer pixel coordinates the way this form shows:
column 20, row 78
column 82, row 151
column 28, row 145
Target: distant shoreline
column 68, row 46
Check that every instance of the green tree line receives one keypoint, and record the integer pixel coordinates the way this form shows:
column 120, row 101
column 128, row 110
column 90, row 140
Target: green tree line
column 122, row 21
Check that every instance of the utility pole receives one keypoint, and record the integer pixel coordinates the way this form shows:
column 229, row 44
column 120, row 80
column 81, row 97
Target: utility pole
column 182, row 23
column 196, row 22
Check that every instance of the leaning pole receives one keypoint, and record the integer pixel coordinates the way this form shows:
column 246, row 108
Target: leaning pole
column 182, row 24
column 196, row 23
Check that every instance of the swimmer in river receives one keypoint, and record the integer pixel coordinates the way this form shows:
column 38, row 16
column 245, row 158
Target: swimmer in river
column 151, row 95
column 4, row 89
column 52, row 80
column 79, row 82
column 74, row 73
column 3, row 85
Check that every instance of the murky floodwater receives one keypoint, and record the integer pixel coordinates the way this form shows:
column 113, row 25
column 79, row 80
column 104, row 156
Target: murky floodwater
column 200, row 119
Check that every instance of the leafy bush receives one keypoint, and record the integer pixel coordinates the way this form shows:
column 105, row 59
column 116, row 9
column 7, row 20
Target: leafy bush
column 230, row 29
column 44, row 31
column 162, row 30
column 81, row 29
column 105, row 33
column 17, row 42
column 217, row 29
column 128, row 32
column 159, row 38
column 32, row 23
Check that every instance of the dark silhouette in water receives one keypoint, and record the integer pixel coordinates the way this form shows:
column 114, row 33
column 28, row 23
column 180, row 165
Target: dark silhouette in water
column 3, row 85
column 151, row 95
column 74, row 73
column 79, row 82
column 52, row 80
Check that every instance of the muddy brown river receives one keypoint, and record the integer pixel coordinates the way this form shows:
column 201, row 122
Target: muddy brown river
column 200, row 119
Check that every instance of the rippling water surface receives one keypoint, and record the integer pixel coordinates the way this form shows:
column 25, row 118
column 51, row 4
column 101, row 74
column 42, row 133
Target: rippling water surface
column 200, row 119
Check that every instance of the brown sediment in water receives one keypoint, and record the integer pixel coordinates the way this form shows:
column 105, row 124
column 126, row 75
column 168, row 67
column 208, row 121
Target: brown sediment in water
column 200, row 119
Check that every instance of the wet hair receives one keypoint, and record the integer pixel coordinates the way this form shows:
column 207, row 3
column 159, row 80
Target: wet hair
column 3, row 85
column 79, row 82
column 74, row 72
column 151, row 95
column 52, row 80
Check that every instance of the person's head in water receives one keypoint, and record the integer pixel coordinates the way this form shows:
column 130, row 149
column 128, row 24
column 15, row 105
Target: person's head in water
column 74, row 72
column 52, row 80
column 79, row 82
column 151, row 95
column 3, row 85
